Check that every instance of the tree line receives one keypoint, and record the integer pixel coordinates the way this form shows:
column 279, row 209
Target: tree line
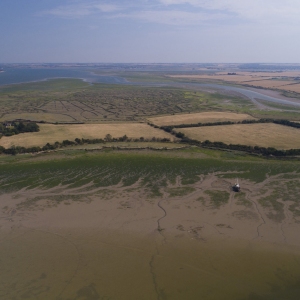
column 9, row 129
column 270, row 151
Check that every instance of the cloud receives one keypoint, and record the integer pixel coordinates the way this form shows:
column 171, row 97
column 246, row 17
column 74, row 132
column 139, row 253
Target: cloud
column 185, row 12
column 252, row 9
column 79, row 10
column 173, row 17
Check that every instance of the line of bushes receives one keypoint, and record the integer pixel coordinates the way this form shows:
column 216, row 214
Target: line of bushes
column 21, row 150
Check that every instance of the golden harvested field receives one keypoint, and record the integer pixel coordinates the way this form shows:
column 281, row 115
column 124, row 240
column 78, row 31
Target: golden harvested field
column 205, row 117
column 292, row 88
column 264, row 135
column 280, row 84
column 51, row 133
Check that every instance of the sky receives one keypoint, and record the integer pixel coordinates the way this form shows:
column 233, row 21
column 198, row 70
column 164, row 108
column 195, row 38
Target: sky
column 149, row 31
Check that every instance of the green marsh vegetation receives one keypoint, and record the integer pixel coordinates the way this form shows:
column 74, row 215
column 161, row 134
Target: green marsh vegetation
column 73, row 101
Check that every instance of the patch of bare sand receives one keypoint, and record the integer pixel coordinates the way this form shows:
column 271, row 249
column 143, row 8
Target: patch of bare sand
column 116, row 242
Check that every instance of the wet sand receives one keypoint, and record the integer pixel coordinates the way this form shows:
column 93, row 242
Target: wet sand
column 123, row 245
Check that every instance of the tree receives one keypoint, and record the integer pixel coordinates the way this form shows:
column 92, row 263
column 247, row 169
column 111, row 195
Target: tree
column 108, row 138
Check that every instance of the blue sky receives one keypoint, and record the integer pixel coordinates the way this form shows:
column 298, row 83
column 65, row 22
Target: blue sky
column 149, row 31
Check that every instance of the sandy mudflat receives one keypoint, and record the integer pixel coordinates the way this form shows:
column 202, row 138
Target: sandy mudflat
column 115, row 243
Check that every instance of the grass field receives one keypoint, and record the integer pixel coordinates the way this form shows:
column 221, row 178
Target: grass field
column 265, row 135
column 205, row 117
column 51, row 133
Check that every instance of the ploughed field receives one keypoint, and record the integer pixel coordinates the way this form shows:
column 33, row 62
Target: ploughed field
column 148, row 225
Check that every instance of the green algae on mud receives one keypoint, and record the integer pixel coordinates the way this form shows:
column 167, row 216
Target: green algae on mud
column 112, row 167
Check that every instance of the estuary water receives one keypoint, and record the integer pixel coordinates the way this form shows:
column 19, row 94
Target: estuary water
column 20, row 75
column 250, row 94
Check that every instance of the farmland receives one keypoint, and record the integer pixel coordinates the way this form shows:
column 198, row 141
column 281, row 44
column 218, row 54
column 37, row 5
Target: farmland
column 264, row 135
column 51, row 133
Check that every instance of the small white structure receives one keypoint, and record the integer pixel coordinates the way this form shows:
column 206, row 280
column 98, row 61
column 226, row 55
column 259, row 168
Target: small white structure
column 236, row 186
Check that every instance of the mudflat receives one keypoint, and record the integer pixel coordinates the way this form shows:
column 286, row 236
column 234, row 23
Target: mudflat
column 190, row 236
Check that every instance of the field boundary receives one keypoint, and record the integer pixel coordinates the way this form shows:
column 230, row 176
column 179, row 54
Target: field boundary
column 256, row 150
column 169, row 128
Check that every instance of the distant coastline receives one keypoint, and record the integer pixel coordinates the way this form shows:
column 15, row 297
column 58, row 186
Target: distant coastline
column 25, row 75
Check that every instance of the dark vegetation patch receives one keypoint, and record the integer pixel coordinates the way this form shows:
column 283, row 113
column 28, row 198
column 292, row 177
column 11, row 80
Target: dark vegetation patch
column 9, row 129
